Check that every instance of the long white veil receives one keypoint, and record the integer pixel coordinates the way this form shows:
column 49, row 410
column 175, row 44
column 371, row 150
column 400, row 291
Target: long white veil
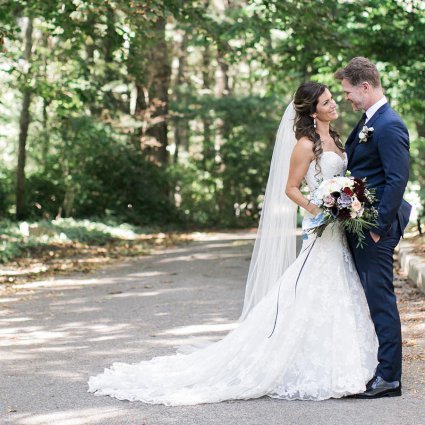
column 275, row 243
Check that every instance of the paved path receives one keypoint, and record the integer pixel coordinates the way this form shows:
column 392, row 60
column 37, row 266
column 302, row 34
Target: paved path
column 54, row 334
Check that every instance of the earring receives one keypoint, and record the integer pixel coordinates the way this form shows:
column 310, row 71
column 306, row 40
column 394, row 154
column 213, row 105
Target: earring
column 314, row 122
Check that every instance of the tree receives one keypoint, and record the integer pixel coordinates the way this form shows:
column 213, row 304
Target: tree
column 24, row 123
column 123, row 84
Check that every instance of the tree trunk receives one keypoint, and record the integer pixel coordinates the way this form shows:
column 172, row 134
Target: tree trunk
column 68, row 201
column 158, row 93
column 420, row 128
column 222, row 89
column 181, row 129
column 222, row 77
column 46, row 132
column 24, row 122
column 46, row 103
column 109, row 102
column 208, row 143
column 150, row 68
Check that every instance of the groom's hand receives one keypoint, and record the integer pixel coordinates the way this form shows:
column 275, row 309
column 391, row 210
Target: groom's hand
column 375, row 237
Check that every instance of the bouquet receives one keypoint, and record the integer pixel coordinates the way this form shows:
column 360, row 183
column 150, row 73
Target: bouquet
column 346, row 200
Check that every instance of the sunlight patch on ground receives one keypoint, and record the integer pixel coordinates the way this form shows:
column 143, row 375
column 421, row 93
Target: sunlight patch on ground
column 216, row 236
column 107, row 338
column 213, row 256
column 70, row 417
column 60, row 348
column 17, row 319
column 23, row 337
column 135, row 294
column 44, row 283
column 38, row 268
column 107, row 328
column 147, row 274
column 197, row 329
column 9, row 356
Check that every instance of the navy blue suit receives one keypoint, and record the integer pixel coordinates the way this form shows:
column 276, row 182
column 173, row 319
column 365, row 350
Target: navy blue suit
column 384, row 160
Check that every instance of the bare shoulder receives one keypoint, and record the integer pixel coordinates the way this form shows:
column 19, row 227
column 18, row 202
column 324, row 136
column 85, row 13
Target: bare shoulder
column 304, row 147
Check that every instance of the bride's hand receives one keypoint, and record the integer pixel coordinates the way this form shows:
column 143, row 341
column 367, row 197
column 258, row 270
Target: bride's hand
column 313, row 209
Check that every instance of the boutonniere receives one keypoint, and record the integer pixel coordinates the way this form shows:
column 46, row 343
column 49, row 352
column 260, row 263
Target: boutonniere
column 365, row 133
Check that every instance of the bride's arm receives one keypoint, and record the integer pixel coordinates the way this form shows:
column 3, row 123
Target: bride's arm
column 301, row 158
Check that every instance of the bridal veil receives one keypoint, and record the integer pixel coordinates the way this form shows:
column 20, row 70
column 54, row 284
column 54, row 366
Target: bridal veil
column 275, row 243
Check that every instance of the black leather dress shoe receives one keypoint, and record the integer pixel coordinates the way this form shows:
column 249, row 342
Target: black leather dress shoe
column 378, row 387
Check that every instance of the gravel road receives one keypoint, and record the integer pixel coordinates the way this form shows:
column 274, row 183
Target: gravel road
column 54, row 334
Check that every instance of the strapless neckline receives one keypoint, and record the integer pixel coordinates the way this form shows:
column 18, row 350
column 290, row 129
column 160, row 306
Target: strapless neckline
column 342, row 158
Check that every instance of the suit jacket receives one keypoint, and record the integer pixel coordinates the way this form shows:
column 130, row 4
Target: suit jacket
column 384, row 160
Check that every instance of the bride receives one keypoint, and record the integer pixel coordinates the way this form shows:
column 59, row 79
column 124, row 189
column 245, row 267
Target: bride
column 305, row 332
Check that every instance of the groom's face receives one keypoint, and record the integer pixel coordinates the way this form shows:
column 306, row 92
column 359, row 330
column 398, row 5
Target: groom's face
column 356, row 95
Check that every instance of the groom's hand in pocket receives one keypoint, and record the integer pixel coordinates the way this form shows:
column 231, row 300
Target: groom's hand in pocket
column 375, row 237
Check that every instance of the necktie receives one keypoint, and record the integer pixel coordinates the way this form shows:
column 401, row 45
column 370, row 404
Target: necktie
column 362, row 122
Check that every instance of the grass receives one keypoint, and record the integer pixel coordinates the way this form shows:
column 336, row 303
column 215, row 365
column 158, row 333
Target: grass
column 18, row 238
column 31, row 250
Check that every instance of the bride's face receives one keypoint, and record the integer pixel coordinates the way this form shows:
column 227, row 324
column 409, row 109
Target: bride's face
column 326, row 107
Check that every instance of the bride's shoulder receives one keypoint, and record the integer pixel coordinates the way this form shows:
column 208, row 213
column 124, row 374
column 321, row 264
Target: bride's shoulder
column 304, row 147
column 305, row 142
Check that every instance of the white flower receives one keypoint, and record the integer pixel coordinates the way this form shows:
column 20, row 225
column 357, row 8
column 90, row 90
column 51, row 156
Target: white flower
column 365, row 133
column 346, row 182
column 329, row 186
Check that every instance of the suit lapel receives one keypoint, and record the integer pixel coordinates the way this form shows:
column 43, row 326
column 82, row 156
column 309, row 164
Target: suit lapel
column 376, row 115
column 354, row 136
column 352, row 140
column 351, row 137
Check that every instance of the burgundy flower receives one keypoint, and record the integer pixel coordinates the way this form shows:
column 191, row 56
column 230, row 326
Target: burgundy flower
column 344, row 214
column 358, row 182
column 359, row 189
column 347, row 191
column 361, row 197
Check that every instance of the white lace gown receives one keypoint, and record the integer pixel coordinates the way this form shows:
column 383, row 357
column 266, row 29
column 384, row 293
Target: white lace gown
column 323, row 345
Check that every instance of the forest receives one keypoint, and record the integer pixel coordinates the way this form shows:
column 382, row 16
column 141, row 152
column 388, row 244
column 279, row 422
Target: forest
column 164, row 113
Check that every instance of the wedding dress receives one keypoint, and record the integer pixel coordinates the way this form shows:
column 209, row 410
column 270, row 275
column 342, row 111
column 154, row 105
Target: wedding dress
column 309, row 338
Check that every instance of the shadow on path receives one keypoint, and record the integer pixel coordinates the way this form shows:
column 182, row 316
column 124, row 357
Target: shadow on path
column 55, row 334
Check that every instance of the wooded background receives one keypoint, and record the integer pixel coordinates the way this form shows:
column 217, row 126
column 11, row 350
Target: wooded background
column 165, row 112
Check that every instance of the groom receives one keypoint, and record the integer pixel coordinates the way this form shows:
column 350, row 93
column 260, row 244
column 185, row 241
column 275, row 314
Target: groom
column 378, row 149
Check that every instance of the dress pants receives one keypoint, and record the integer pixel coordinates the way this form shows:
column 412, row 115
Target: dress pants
column 374, row 263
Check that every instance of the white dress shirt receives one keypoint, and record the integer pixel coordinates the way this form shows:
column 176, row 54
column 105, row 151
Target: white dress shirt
column 371, row 111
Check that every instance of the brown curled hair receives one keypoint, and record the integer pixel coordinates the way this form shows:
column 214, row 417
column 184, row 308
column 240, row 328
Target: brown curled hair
column 305, row 103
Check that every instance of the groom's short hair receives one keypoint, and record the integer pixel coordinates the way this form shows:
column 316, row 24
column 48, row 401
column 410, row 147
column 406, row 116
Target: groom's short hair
column 358, row 70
